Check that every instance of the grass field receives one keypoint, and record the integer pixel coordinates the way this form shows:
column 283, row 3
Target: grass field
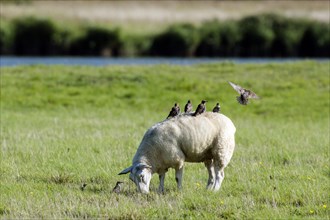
column 65, row 126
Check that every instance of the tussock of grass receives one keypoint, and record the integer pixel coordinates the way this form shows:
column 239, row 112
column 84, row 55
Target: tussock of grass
column 65, row 126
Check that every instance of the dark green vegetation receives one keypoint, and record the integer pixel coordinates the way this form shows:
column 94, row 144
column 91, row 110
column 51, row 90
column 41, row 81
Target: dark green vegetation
column 65, row 126
column 265, row 35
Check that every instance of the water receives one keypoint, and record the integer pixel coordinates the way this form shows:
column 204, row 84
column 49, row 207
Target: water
column 102, row 61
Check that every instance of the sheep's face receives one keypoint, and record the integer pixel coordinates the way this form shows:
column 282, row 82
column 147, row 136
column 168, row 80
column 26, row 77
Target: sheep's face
column 141, row 176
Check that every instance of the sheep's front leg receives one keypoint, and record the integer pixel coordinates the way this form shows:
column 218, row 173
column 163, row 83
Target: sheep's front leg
column 219, row 175
column 210, row 168
column 178, row 177
column 161, row 182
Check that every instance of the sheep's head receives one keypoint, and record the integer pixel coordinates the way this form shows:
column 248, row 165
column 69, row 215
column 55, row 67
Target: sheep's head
column 140, row 174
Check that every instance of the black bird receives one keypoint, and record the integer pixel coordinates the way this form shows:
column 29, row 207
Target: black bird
column 118, row 187
column 245, row 94
column 200, row 108
column 217, row 108
column 82, row 187
column 174, row 111
column 188, row 107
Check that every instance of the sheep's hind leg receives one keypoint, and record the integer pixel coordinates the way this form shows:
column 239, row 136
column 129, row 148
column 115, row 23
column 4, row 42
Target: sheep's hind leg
column 210, row 168
column 178, row 177
column 219, row 175
column 161, row 182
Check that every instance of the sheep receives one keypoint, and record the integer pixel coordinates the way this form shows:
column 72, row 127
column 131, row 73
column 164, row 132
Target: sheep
column 208, row 138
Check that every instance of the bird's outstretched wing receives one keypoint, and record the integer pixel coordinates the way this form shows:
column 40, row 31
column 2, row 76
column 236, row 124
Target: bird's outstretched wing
column 252, row 95
column 238, row 88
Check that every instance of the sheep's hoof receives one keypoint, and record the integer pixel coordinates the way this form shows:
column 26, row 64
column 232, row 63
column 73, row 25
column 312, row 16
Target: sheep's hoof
column 161, row 191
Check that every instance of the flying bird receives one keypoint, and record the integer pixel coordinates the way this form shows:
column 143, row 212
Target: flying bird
column 200, row 108
column 188, row 107
column 216, row 108
column 174, row 111
column 245, row 94
column 118, row 187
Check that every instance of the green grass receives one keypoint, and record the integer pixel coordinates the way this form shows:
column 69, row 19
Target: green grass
column 64, row 126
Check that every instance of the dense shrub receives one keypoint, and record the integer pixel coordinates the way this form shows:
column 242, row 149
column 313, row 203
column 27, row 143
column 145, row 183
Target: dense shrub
column 323, row 42
column 177, row 40
column 218, row 39
column 253, row 36
column 64, row 39
column 257, row 36
column 34, row 36
column 5, row 38
column 97, row 41
column 287, row 34
column 135, row 45
column 285, row 40
column 315, row 41
column 210, row 39
column 230, row 36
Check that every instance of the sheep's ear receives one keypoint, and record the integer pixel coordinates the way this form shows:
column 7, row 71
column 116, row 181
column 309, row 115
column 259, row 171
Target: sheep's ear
column 127, row 170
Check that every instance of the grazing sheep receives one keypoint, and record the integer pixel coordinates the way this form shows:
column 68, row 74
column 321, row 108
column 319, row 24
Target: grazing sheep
column 208, row 138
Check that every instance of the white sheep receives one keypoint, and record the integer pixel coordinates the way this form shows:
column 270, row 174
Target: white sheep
column 208, row 138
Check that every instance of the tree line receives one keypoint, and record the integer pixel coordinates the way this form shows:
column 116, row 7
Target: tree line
column 266, row 35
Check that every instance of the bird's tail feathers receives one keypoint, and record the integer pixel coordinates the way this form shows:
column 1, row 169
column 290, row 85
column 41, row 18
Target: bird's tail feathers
column 241, row 101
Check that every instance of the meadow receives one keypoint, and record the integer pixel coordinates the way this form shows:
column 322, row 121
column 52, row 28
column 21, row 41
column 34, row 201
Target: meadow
column 62, row 126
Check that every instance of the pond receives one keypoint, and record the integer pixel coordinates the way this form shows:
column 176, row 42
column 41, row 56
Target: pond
column 102, row 61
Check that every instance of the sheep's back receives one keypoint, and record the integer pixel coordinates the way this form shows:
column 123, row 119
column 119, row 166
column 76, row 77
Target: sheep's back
column 194, row 137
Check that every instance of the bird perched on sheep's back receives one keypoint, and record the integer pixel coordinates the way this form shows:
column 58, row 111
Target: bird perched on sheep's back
column 245, row 94
column 201, row 108
column 118, row 187
column 216, row 108
column 174, row 111
column 188, row 107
